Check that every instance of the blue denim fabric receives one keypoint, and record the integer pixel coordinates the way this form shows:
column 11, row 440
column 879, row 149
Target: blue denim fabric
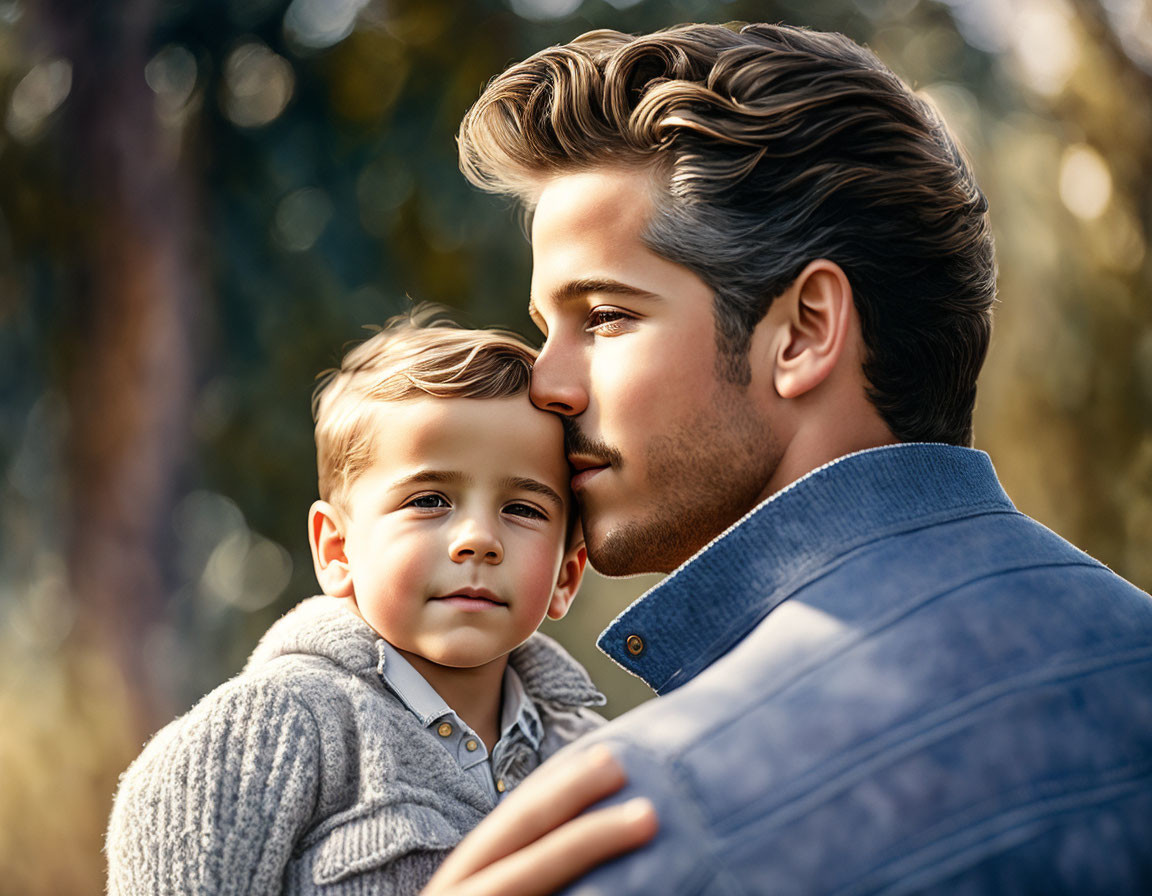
column 885, row 679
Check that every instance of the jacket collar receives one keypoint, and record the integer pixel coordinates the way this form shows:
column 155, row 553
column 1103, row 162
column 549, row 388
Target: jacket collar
column 708, row 604
column 323, row 626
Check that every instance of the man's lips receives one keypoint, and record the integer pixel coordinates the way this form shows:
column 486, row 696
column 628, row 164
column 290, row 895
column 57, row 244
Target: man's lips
column 471, row 599
column 584, row 468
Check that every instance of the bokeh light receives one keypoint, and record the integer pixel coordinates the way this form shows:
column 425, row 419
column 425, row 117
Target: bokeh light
column 172, row 75
column 321, row 23
column 301, row 217
column 1045, row 46
column 544, row 10
column 1132, row 22
column 1085, row 182
column 40, row 93
column 258, row 84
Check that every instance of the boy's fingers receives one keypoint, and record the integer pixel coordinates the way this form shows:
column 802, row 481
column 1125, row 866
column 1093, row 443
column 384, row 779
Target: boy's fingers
column 555, row 794
column 563, row 855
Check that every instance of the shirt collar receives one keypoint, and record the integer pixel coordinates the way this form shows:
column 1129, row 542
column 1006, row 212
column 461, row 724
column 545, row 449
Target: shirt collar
column 517, row 709
column 704, row 607
column 410, row 686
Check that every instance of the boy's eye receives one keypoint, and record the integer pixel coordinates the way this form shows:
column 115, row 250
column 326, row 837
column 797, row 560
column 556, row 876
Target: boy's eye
column 518, row 508
column 428, row 502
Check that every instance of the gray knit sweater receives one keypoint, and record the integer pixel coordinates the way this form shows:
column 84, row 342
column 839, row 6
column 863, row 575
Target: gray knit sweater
column 306, row 774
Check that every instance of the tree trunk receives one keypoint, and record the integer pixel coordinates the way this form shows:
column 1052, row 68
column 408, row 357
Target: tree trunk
column 131, row 299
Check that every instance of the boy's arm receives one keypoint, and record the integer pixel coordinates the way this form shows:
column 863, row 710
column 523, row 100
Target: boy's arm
column 537, row 841
column 217, row 801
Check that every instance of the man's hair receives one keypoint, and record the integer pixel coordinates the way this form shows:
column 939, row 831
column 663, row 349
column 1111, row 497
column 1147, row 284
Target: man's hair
column 773, row 146
column 413, row 355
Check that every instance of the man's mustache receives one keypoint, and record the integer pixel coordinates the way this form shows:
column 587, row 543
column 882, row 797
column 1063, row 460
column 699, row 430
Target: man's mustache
column 576, row 442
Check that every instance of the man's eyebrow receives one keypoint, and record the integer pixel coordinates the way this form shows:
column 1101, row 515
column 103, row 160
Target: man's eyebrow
column 576, row 289
column 523, row 483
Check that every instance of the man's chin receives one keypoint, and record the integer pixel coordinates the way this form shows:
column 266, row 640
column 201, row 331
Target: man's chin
column 628, row 549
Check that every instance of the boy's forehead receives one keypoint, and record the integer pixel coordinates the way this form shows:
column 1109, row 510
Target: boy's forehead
column 481, row 432
column 436, row 410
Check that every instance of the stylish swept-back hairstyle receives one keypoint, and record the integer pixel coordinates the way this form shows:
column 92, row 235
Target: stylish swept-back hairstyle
column 772, row 146
column 413, row 355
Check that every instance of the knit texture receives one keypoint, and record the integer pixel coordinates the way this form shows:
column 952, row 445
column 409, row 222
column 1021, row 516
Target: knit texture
column 306, row 774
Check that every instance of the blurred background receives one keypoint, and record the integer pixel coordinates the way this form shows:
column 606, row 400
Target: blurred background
column 202, row 202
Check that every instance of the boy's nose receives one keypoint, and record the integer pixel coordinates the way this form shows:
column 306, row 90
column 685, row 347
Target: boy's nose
column 475, row 541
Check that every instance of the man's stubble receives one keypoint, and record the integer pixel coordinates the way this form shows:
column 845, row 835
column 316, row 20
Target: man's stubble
column 702, row 477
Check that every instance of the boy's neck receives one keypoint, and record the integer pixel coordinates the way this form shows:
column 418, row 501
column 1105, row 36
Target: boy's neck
column 474, row 694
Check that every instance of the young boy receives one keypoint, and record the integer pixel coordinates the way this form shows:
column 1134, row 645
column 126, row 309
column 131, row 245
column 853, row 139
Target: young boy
column 374, row 726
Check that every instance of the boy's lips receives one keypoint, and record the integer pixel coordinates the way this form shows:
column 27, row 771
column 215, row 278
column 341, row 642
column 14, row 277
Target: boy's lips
column 472, row 599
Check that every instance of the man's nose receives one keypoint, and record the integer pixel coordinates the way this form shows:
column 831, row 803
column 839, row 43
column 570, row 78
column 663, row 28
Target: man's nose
column 558, row 380
column 476, row 540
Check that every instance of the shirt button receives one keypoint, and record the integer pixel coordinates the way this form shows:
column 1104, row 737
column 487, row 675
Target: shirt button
column 471, row 746
column 635, row 645
column 500, row 785
column 445, row 729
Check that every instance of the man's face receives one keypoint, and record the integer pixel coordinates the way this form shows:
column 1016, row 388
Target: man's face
column 665, row 453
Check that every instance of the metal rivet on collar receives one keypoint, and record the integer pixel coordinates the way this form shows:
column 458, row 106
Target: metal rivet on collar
column 635, row 645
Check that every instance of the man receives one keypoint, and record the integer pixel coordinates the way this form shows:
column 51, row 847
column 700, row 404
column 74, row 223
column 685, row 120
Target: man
column 764, row 274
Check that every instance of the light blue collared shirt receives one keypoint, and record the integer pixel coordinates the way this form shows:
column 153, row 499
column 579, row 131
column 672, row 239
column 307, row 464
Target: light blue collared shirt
column 519, row 721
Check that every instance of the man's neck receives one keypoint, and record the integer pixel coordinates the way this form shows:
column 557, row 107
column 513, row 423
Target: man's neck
column 812, row 449
column 474, row 694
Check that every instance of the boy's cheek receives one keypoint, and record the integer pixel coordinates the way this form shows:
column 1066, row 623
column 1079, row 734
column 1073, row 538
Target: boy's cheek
column 540, row 576
column 393, row 576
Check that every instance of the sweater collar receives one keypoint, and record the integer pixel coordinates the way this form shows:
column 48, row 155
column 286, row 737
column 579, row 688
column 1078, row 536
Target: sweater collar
column 708, row 604
column 323, row 626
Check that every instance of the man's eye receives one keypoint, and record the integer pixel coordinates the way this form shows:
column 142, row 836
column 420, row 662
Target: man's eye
column 518, row 508
column 607, row 321
column 428, row 502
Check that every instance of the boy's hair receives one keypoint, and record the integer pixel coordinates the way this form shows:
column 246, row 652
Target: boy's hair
column 772, row 146
column 413, row 355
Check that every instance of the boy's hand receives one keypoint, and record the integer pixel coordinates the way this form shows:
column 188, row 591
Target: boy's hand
column 536, row 841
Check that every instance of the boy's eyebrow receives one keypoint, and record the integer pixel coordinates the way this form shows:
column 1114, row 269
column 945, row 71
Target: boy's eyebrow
column 448, row 477
column 523, row 483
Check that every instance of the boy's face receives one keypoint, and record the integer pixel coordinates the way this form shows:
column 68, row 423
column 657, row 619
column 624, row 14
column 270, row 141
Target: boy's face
column 455, row 537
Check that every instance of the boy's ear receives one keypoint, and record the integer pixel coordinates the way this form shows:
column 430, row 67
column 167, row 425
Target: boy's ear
column 568, row 582
column 816, row 311
column 326, row 537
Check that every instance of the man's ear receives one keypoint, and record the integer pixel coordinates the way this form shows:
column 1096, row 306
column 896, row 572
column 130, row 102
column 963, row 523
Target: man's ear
column 814, row 324
column 568, row 581
column 326, row 527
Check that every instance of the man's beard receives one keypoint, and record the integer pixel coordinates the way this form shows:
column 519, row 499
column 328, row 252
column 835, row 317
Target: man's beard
column 701, row 478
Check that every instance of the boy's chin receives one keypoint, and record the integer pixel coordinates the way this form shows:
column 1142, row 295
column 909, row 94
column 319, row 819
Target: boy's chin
column 464, row 656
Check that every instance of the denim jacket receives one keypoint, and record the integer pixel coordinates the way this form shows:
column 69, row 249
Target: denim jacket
column 885, row 679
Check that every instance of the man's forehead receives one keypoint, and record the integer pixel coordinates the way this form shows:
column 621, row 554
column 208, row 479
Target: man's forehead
column 607, row 197
column 587, row 230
